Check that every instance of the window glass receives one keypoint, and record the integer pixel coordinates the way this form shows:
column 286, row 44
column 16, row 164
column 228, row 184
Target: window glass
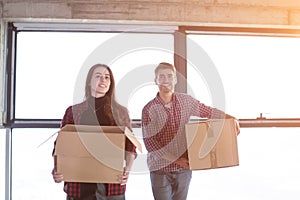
column 52, row 66
column 48, row 64
column 32, row 164
column 258, row 74
column 135, row 81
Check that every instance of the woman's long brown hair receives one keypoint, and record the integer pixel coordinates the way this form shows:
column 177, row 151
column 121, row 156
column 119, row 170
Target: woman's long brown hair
column 112, row 108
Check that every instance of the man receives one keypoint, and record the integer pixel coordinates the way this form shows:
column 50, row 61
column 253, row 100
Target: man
column 163, row 126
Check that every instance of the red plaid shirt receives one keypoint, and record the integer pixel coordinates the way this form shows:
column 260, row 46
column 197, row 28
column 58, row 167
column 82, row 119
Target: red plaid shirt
column 163, row 127
column 73, row 116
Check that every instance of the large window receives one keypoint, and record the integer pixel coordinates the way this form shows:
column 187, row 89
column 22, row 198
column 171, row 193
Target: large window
column 244, row 75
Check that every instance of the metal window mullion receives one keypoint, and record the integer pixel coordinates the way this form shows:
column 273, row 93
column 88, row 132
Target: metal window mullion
column 8, row 164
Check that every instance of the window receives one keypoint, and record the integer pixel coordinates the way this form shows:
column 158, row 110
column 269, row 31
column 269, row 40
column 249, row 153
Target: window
column 244, row 75
column 256, row 74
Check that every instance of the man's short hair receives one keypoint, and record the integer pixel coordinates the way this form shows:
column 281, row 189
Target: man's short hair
column 165, row 65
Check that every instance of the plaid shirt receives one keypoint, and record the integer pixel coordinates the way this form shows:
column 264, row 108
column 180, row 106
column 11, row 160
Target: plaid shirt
column 163, row 127
column 73, row 116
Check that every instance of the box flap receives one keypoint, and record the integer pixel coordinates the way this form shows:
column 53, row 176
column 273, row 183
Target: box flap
column 133, row 139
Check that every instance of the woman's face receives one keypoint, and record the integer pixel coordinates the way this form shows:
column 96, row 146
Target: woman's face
column 100, row 82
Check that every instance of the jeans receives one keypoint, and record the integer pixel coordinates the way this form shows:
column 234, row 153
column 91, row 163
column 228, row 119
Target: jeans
column 170, row 185
column 85, row 198
column 101, row 194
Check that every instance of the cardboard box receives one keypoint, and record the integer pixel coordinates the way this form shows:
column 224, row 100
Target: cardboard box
column 212, row 144
column 92, row 153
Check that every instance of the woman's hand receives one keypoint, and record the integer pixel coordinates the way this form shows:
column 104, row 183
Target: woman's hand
column 124, row 178
column 129, row 161
column 58, row 177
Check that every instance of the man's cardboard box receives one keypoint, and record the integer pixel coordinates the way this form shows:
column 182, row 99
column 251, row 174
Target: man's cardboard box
column 212, row 144
column 92, row 153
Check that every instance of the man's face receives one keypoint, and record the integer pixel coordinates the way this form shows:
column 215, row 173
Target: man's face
column 166, row 80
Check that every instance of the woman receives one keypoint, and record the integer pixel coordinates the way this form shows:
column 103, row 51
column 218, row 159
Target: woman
column 99, row 108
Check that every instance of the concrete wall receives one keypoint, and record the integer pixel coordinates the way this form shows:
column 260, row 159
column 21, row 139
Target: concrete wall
column 259, row 12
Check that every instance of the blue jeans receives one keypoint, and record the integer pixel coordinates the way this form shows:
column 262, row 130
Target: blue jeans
column 170, row 185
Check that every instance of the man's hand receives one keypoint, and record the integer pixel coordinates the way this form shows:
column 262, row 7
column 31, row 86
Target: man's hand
column 237, row 126
column 183, row 162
